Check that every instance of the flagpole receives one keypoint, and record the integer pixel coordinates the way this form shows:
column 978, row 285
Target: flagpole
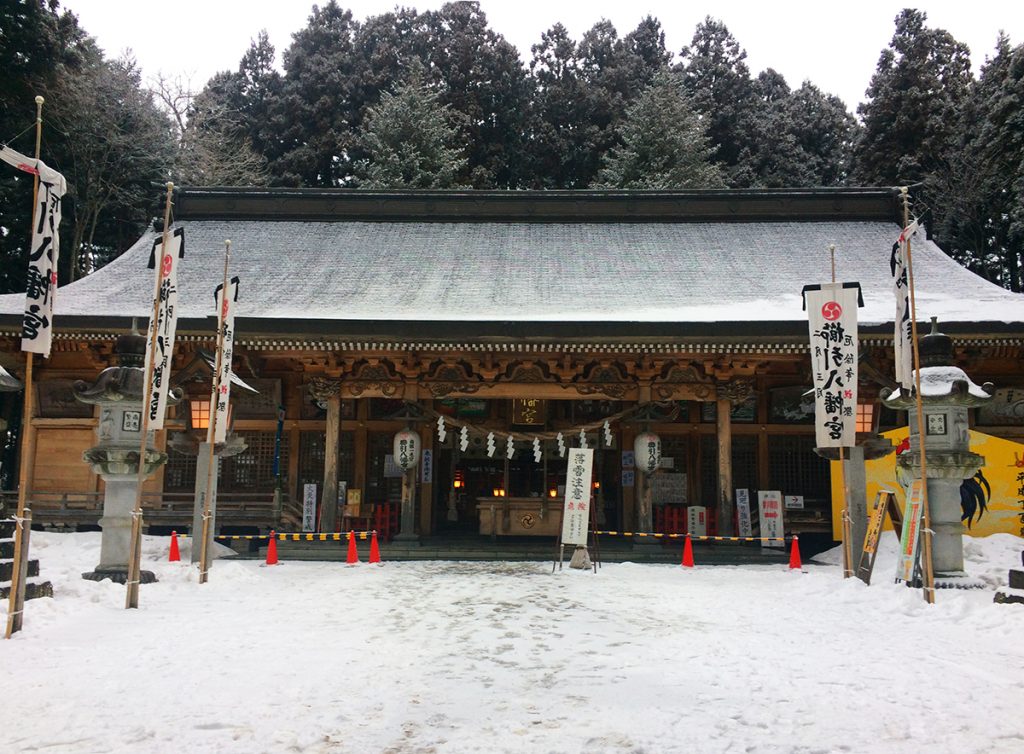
column 135, row 546
column 23, row 520
column 211, row 434
column 847, row 555
column 926, row 521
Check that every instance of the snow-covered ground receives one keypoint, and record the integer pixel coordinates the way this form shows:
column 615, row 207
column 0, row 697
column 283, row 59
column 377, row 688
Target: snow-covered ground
column 506, row 657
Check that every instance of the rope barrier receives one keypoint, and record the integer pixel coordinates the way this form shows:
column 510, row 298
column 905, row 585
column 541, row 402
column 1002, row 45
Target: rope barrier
column 702, row 537
column 298, row 536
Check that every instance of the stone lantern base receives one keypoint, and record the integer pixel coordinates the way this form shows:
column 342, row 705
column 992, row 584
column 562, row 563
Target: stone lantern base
column 118, row 576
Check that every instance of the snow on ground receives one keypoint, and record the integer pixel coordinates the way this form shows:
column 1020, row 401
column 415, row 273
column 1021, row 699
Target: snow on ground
column 506, row 657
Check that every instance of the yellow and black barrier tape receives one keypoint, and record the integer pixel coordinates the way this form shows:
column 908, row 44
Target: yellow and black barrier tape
column 701, row 537
column 299, row 536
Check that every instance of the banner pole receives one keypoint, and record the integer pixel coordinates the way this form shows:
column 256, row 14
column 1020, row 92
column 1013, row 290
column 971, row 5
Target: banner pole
column 844, row 492
column 211, row 434
column 23, row 519
column 135, row 546
column 926, row 521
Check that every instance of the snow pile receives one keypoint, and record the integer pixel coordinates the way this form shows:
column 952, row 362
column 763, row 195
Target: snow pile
column 508, row 657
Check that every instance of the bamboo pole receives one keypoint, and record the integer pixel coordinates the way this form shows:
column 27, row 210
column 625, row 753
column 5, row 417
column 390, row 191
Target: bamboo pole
column 926, row 519
column 135, row 546
column 23, row 520
column 211, row 433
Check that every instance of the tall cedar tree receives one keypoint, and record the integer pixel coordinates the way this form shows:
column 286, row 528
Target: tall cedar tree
column 914, row 102
column 664, row 143
column 717, row 77
column 978, row 198
column 38, row 45
column 411, row 139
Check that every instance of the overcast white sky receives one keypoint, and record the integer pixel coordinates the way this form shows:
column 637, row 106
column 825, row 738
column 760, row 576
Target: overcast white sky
column 835, row 45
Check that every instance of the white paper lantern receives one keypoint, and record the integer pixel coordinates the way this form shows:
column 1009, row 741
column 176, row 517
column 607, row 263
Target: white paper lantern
column 647, row 452
column 406, row 449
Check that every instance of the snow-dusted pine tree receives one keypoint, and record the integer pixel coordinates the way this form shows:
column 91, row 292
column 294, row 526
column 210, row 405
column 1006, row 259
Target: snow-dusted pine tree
column 664, row 143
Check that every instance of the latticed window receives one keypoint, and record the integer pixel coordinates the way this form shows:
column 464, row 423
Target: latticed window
column 795, row 469
column 744, row 465
column 311, row 458
column 180, row 472
column 252, row 470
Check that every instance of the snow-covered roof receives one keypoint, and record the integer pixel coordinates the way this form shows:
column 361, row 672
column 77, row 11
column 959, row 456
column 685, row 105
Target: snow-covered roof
column 648, row 270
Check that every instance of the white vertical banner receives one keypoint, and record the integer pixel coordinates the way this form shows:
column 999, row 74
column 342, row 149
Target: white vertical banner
column 832, row 322
column 578, row 483
column 160, row 344
column 746, row 528
column 219, row 401
column 697, row 520
column 44, row 252
column 902, row 326
column 309, row 507
column 769, row 504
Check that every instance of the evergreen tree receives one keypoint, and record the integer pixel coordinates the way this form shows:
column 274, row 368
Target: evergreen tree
column 717, row 77
column 412, row 140
column 913, row 104
column 664, row 143
column 977, row 197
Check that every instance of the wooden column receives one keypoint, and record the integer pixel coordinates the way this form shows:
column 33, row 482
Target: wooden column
column 724, row 503
column 330, row 392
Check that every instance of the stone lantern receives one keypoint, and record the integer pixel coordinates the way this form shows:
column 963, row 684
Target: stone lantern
column 118, row 391
column 946, row 395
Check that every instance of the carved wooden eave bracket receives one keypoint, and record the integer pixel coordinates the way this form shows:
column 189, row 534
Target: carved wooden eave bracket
column 682, row 382
column 735, row 391
column 324, row 388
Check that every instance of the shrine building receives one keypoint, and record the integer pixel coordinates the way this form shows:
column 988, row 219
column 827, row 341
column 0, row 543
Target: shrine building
column 521, row 317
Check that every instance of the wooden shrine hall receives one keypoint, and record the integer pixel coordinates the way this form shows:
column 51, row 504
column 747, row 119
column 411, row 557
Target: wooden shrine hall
column 502, row 316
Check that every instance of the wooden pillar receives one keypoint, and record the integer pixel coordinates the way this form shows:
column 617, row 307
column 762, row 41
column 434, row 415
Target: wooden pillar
column 724, row 506
column 330, row 392
column 427, row 487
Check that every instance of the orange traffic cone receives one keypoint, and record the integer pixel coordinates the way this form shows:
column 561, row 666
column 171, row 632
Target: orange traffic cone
column 353, row 556
column 374, row 549
column 272, row 549
column 794, row 554
column 175, row 556
column 688, row 553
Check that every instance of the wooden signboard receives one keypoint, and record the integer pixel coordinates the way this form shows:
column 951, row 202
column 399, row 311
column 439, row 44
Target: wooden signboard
column 885, row 502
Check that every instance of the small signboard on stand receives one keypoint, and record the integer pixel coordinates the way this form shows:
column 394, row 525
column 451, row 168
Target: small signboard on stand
column 308, row 507
column 746, row 527
column 769, row 503
column 697, row 520
column 885, row 502
column 910, row 539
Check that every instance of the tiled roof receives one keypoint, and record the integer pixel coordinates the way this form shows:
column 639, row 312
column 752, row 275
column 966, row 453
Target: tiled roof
column 294, row 272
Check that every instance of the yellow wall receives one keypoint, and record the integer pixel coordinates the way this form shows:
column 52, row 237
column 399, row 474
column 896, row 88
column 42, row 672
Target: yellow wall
column 1004, row 470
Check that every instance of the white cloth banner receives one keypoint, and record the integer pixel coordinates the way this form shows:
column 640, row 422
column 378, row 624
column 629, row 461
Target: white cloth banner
column 832, row 319
column 576, row 510
column 769, row 503
column 220, row 396
column 901, row 289
column 161, row 331
column 41, row 282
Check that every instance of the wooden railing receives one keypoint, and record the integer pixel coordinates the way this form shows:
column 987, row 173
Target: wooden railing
column 166, row 509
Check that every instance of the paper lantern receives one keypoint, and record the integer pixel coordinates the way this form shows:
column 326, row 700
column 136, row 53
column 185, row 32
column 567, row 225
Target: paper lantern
column 647, row 452
column 406, row 449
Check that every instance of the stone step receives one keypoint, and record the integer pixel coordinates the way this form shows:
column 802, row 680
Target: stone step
column 7, row 569
column 7, row 549
column 6, row 529
column 33, row 590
